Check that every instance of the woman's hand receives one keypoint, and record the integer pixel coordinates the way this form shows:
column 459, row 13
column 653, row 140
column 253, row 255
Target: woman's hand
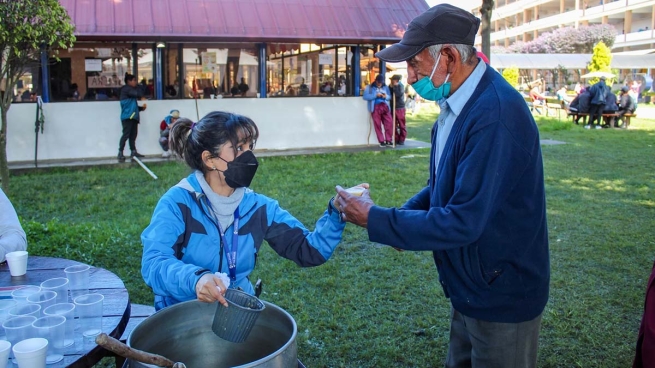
column 210, row 289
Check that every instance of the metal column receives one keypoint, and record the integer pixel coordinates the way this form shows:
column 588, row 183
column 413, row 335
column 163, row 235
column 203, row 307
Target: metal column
column 356, row 68
column 383, row 64
column 135, row 60
column 262, row 70
column 45, row 75
column 159, row 73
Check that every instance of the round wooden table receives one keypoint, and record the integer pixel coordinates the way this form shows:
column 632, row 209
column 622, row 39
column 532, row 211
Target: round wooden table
column 116, row 305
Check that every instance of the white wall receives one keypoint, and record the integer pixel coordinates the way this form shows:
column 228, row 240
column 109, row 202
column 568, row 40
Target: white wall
column 78, row 130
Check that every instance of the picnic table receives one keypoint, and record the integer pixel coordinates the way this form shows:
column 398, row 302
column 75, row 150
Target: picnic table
column 116, row 305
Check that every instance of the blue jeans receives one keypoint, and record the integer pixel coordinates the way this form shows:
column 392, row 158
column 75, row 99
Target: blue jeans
column 481, row 344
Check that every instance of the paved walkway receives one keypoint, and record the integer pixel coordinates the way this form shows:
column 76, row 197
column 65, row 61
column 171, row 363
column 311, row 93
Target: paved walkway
column 19, row 167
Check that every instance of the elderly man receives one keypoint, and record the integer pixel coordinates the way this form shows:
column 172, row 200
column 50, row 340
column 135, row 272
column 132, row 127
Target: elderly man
column 398, row 103
column 483, row 212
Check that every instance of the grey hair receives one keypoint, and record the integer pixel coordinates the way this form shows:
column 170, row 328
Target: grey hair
column 466, row 52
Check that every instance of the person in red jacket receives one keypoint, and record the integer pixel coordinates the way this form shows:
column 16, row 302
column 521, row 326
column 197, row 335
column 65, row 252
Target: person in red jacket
column 645, row 354
column 165, row 128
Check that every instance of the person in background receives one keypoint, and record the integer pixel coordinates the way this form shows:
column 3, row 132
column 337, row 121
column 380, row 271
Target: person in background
column 165, row 129
column 290, row 91
column 342, row 86
column 129, row 94
column 563, row 97
column 184, row 245
column 483, row 211
column 25, row 96
column 378, row 96
column 580, row 105
column 398, row 97
column 538, row 100
column 626, row 106
column 12, row 236
column 611, row 107
column 75, row 93
column 410, row 99
column 243, row 87
column 303, row 90
column 599, row 92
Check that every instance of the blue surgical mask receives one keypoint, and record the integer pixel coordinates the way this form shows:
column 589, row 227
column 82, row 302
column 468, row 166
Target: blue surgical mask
column 426, row 89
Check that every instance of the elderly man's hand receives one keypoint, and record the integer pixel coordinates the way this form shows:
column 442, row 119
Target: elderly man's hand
column 354, row 208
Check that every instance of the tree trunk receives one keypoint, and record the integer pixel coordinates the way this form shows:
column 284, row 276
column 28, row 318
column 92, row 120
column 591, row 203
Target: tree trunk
column 485, row 12
column 4, row 168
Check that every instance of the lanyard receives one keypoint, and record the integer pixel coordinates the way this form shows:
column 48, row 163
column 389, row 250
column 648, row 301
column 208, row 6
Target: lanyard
column 231, row 249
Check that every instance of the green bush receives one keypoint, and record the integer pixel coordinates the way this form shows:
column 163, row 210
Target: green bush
column 511, row 75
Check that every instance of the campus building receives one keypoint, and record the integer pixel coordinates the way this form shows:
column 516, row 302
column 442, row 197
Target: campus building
column 296, row 67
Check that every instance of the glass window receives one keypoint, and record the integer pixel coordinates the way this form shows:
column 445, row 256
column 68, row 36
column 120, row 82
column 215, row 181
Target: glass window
column 231, row 72
column 146, row 71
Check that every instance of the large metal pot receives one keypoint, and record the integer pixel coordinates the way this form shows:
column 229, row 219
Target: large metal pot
column 183, row 333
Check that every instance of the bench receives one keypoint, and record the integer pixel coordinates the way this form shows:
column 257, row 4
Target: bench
column 608, row 118
column 138, row 314
column 547, row 106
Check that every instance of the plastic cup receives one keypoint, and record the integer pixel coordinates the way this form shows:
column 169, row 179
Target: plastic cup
column 19, row 328
column 89, row 310
column 31, row 353
column 43, row 298
column 17, row 262
column 5, row 348
column 5, row 306
column 20, row 295
column 78, row 280
column 60, row 286
column 356, row 191
column 212, row 96
column 52, row 328
column 25, row 310
column 66, row 310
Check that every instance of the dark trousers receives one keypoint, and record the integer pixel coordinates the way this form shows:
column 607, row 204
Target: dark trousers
column 596, row 113
column 130, row 130
column 401, row 126
column 476, row 343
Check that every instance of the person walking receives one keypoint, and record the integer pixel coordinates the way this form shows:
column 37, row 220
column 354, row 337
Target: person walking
column 398, row 99
column 130, row 116
column 378, row 96
column 598, row 94
column 483, row 211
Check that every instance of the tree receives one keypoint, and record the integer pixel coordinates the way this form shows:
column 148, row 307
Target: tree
column 511, row 75
column 485, row 12
column 27, row 26
column 601, row 60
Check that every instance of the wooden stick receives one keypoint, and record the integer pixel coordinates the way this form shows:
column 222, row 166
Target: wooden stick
column 125, row 351
column 393, row 132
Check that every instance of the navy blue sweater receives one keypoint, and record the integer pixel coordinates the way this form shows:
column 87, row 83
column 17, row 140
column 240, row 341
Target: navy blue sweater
column 484, row 217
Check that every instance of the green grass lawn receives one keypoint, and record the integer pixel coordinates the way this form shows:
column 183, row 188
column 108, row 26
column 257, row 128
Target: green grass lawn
column 371, row 306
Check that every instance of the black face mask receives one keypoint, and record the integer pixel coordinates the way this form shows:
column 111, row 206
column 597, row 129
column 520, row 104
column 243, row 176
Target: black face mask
column 241, row 171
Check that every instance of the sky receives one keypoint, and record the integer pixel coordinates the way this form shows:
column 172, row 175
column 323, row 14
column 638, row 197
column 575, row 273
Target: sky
column 464, row 4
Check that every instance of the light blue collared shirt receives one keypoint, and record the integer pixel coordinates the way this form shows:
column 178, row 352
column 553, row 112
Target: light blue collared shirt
column 452, row 106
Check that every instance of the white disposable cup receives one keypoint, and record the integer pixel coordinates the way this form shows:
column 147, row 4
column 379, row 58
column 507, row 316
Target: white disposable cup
column 89, row 310
column 60, row 286
column 31, row 353
column 66, row 310
column 20, row 295
column 78, row 280
column 43, row 298
column 25, row 310
column 356, row 191
column 17, row 262
column 212, row 96
column 5, row 348
column 52, row 328
column 19, row 328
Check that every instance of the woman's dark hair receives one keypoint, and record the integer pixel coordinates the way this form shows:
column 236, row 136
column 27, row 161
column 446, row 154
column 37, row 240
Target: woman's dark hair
column 215, row 129
column 129, row 77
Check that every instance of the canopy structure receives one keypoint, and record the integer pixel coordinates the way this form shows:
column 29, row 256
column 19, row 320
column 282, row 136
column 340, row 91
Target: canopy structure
column 568, row 61
column 333, row 21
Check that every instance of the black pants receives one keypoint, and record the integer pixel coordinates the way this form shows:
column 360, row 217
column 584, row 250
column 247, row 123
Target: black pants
column 130, row 130
column 596, row 113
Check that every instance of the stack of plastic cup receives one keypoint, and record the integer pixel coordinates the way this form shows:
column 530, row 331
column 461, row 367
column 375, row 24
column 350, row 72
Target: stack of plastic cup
column 25, row 310
column 20, row 295
column 66, row 310
column 78, row 280
column 52, row 328
column 60, row 286
column 19, row 328
column 89, row 310
column 43, row 298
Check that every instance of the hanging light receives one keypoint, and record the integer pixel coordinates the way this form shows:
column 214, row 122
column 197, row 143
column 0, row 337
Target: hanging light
column 161, row 45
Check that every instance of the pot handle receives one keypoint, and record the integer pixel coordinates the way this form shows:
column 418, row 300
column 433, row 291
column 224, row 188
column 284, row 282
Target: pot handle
column 125, row 351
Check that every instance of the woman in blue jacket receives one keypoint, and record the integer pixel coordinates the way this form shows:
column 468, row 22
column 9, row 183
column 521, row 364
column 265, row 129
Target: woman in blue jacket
column 211, row 222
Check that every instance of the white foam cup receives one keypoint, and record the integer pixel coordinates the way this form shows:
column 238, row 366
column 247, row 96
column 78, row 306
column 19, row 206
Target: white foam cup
column 17, row 262
column 31, row 352
column 5, row 348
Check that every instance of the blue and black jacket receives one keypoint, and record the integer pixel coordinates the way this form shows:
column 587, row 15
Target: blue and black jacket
column 182, row 242
column 129, row 107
